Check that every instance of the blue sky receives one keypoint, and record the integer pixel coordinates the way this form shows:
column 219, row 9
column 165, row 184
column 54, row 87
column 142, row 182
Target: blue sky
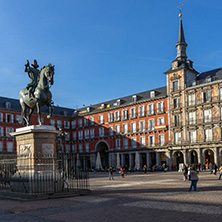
column 104, row 49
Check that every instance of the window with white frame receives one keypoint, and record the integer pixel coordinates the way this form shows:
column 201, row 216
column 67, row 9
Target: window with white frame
column 111, row 130
column 118, row 144
column 125, row 128
column 100, row 119
column 192, row 117
column 73, row 124
column 18, row 119
column 10, row 146
column 9, row 118
column 74, row 136
column 142, row 126
column 125, row 143
column 133, row 142
column 92, row 133
column 67, row 147
column 191, row 99
column 66, row 124
column 141, row 110
column 176, row 102
column 176, row 120
column 79, row 122
column 133, row 112
column 133, row 127
column 117, row 129
column 86, row 122
column 52, row 122
column 92, row 121
column 207, row 115
column 124, row 114
column 175, row 85
column 152, row 140
column 177, row 137
column 142, row 141
column 116, row 116
column 192, row 136
column 74, row 148
column 151, row 124
column 80, row 148
column 206, row 96
column 220, row 92
column 87, row 134
column 160, row 121
column 1, row 146
column 87, row 147
column 110, row 117
column 1, row 117
column 101, row 131
column 80, row 135
column 8, row 130
column 161, row 139
column 59, row 123
column 160, row 107
column 1, row 131
column 150, row 109
column 208, row 135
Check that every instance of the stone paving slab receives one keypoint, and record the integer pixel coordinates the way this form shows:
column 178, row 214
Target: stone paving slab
column 137, row 197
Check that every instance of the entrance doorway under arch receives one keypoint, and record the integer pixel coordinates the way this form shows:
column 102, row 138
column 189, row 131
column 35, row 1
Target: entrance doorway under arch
column 193, row 157
column 102, row 148
column 178, row 156
column 209, row 157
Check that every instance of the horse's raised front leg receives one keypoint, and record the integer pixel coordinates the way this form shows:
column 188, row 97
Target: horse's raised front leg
column 39, row 112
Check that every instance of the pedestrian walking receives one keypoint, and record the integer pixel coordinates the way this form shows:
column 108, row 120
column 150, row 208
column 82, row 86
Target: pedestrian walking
column 194, row 179
column 145, row 168
column 188, row 173
column 111, row 173
column 122, row 172
column 185, row 172
column 210, row 168
column 220, row 169
column 215, row 169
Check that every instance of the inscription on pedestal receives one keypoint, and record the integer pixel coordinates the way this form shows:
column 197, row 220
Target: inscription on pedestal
column 48, row 149
column 25, row 150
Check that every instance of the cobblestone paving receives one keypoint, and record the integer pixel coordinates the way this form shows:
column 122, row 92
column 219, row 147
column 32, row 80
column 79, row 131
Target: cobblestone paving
column 137, row 197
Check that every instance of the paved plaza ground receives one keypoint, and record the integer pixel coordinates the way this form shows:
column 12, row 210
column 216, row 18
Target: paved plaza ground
column 138, row 197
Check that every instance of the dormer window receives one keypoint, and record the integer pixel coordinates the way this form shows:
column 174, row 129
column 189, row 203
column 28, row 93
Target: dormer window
column 88, row 109
column 194, row 83
column 152, row 94
column 8, row 105
column 134, row 98
column 208, row 79
column 118, row 102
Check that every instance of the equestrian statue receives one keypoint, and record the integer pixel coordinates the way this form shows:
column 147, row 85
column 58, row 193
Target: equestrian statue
column 37, row 93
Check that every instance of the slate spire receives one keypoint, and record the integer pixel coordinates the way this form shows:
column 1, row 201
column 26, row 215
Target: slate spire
column 181, row 44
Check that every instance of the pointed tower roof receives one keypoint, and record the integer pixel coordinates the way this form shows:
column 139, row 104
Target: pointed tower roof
column 181, row 38
column 181, row 44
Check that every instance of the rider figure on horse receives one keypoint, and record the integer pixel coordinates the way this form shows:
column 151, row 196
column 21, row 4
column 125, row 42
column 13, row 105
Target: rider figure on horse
column 33, row 73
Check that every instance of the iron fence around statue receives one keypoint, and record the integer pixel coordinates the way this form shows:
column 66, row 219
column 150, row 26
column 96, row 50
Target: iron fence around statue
column 42, row 175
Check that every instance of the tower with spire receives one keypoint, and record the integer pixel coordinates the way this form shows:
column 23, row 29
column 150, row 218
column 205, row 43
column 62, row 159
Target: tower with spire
column 180, row 75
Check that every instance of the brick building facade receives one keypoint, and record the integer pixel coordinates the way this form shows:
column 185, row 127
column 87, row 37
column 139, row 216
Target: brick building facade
column 177, row 123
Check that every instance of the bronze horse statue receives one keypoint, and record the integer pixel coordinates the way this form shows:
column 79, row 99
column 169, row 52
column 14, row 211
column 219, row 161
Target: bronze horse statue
column 42, row 96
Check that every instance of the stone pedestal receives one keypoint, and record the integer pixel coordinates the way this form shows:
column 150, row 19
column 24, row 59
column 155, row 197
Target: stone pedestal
column 36, row 160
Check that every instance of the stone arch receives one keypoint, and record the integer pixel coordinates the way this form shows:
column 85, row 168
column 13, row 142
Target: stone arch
column 102, row 147
column 193, row 157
